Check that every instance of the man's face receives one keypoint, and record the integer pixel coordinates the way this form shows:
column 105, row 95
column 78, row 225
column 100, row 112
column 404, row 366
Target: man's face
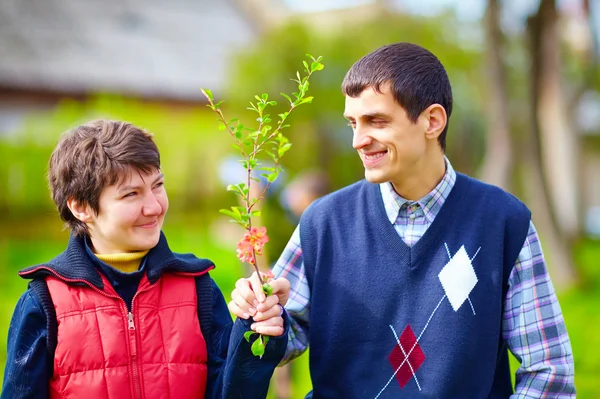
column 130, row 215
column 390, row 145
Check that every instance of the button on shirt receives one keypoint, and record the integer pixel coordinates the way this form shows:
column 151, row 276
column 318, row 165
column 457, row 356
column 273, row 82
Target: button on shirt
column 531, row 308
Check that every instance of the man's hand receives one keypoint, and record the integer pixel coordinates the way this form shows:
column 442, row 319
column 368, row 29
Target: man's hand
column 249, row 300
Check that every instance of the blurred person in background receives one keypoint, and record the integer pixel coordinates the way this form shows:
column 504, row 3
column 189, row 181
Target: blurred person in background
column 295, row 198
column 418, row 280
column 118, row 315
column 302, row 191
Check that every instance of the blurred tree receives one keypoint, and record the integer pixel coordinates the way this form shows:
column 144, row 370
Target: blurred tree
column 545, row 168
column 554, row 145
column 497, row 162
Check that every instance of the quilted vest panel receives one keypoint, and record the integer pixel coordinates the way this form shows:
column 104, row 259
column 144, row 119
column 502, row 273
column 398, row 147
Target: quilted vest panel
column 103, row 351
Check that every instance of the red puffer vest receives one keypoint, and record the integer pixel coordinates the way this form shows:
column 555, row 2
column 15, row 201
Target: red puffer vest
column 105, row 352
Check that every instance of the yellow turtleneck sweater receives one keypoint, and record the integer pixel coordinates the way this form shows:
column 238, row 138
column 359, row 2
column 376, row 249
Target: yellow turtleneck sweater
column 125, row 262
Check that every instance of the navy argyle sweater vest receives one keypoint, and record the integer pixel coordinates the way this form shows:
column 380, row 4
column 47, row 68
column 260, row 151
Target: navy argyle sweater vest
column 392, row 321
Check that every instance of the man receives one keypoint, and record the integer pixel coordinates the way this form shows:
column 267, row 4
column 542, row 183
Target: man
column 117, row 314
column 417, row 281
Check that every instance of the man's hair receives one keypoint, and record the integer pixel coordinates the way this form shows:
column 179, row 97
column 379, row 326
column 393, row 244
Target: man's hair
column 417, row 79
column 93, row 156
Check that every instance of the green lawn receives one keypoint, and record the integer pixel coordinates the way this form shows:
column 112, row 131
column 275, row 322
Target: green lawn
column 580, row 307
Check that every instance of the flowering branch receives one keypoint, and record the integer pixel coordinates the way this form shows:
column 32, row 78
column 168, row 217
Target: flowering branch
column 251, row 143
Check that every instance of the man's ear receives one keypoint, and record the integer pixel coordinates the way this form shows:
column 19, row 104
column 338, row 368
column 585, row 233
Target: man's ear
column 436, row 119
column 81, row 211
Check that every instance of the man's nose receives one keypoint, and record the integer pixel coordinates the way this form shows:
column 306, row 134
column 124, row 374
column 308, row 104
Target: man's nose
column 361, row 138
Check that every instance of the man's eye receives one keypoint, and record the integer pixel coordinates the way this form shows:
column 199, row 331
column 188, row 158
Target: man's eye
column 158, row 185
column 131, row 194
column 352, row 124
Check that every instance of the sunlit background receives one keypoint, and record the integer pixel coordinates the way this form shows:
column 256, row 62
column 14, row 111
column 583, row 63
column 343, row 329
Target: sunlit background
column 526, row 81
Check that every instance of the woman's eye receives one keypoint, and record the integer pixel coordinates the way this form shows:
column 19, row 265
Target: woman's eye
column 131, row 194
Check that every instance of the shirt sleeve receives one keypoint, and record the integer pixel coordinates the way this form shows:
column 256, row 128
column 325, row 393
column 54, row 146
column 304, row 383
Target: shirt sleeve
column 534, row 328
column 291, row 266
column 233, row 371
column 28, row 365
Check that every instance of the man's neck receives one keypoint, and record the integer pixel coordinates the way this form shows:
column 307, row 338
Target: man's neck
column 422, row 180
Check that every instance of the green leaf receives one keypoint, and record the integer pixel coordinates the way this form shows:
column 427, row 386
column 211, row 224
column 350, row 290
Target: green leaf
column 305, row 100
column 248, row 334
column 222, row 126
column 283, row 149
column 245, row 218
column 231, row 214
column 239, row 210
column 207, row 93
column 235, row 188
column 252, row 107
column 316, row 66
column 255, row 213
column 273, row 156
column 258, row 347
column 273, row 176
column 287, row 98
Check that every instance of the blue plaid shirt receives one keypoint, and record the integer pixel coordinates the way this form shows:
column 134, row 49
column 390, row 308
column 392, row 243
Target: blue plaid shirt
column 531, row 308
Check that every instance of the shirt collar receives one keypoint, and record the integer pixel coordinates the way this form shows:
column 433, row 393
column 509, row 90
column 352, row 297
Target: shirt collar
column 430, row 203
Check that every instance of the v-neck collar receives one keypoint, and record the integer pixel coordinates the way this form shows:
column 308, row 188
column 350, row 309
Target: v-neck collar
column 412, row 254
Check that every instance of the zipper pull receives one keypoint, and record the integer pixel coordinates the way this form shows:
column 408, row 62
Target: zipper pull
column 130, row 320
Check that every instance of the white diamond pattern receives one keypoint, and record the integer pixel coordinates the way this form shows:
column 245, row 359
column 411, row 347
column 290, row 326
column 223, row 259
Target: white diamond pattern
column 458, row 278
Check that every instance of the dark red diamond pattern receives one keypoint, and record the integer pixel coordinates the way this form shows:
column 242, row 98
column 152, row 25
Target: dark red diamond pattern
column 415, row 358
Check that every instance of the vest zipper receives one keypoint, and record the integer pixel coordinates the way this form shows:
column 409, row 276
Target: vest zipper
column 133, row 344
column 133, row 341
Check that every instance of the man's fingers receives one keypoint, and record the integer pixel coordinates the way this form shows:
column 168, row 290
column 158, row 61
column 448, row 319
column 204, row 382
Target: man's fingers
column 281, row 288
column 236, row 310
column 241, row 302
column 245, row 289
column 272, row 331
column 272, row 326
column 272, row 312
column 256, row 283
column 272, row 300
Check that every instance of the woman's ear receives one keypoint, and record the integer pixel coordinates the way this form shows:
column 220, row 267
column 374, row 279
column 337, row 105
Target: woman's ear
column 436, row 118
column 80, row 210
